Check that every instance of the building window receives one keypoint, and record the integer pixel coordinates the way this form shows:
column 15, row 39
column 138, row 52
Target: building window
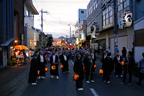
column 82, row 12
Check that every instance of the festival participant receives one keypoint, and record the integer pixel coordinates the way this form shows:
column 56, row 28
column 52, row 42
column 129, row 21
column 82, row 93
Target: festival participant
column 64, row 61
column 54, row 62
column 78, row 69
column 89, row 67
column 141, row 69
column 41, row 65
column 130, row 68
column 104, row 57
column 108, row 67
column 33, row 70
column 118, row 66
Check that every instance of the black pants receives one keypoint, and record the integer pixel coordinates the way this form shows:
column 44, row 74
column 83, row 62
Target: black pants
column 125, row 74
column 79, row 83
column 118, row 70
column 141, row 77
column 42, row 69
column 89, row 75
column 106, row 76
column 65, row 67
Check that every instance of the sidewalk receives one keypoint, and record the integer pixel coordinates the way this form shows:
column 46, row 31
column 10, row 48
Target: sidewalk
column 11, row 77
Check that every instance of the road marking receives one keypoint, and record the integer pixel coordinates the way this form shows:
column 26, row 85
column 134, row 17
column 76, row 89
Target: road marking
column 72, row 62
column 94, row 92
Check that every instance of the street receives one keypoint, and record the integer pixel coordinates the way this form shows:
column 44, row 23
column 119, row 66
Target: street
column 65, row 86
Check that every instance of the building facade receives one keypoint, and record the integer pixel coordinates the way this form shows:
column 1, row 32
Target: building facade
column 31, row 36
column 6, row 29
column 104, row 16
column 82, row 15
column 138, row 28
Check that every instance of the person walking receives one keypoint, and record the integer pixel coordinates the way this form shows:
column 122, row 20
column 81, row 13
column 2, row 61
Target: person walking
column 41, row 65
column 108, row 67
column 130, row 68
column 33, row 70
column 104, row 57
column 141, row 69
column 89, row 67
column 124, row 51
column 64, row 62
column 78, row 69
column 54, row 62
column 118, row 66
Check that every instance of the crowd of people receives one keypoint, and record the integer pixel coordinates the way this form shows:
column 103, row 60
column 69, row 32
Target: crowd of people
column 84, row 65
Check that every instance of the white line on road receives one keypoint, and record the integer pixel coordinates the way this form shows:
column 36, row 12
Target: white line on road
column 94, row 92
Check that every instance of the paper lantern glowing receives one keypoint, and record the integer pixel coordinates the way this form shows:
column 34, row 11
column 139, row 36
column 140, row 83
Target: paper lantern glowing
column 46, row 69
column 53, row 67
column 122, row 63
column 38, row 72
column 100, row 71
column 76, row 76
column 95, row 66
column 61, row 66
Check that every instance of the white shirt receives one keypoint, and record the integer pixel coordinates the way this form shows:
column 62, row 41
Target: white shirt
column 53, row 58
column 41, row 58
column 65, row 58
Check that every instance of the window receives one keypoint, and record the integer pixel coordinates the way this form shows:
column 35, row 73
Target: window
column 82, row 12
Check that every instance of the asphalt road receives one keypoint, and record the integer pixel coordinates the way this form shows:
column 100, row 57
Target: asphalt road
column 65, row 86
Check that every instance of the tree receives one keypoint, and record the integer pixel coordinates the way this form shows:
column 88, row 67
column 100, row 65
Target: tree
column 50, row 40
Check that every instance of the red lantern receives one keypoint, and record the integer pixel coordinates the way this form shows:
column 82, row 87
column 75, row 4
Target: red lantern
column 53, row 67
column 61, row 66
column 76, row 76
column 95, row 66
column 46, row 69
column 100, row 71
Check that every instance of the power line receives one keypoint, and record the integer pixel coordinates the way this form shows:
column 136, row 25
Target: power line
column 62, row 2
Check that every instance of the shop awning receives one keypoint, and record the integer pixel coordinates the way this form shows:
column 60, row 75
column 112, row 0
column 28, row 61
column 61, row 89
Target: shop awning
column 7, row 43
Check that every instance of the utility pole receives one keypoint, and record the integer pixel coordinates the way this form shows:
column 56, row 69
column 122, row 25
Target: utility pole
column 42, row 26
column 115, row 28
column 70, row 35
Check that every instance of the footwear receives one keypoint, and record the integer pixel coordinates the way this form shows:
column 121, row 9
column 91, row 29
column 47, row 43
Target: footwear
column 104, row 81
column 92, row 81
column 39, row 77
column 80, row 89
column 52, row 76
column 121, row 76
column 57, row 77
column 116, row 75
column 122, row 82
column 42, row 77
column 67, row 71
column 87, row 82
column 108, row 82
column 34, row 83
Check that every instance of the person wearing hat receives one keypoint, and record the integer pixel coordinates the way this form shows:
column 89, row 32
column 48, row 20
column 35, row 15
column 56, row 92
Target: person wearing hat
column 54, row 62
column 64, row 62
column 78, row 69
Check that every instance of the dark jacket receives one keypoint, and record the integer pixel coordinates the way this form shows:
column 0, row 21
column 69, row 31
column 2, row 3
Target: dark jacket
column 116, row 62
column 108, row 66
column 131, row 64
column 56, row 60
column 38, row 58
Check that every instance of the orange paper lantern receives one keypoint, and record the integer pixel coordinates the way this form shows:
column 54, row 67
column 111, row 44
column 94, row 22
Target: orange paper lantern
column 46, row 69
column 76, row 76
column 95, row 66
column 100, row 71
column 61, row 66
column 122, row 63
column 84, row 69
column 53, row 67
column 38, row 72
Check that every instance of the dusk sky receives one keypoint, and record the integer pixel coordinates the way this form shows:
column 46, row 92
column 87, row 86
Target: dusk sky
column 61, row 13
